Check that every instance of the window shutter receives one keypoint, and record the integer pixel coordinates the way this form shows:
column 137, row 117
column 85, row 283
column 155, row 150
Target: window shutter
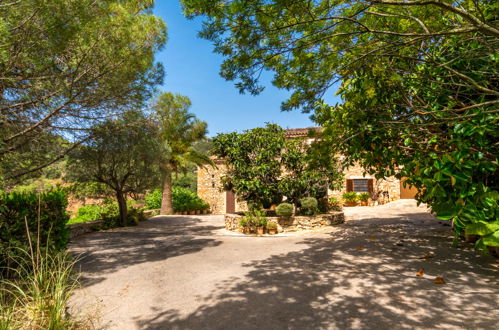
column 370, row 186
column 349, row 185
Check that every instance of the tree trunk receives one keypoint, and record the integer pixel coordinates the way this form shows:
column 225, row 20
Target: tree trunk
column 167, row 200
column 123, row 209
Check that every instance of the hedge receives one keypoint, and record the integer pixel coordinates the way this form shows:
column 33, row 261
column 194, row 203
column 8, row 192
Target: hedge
column 46, row 218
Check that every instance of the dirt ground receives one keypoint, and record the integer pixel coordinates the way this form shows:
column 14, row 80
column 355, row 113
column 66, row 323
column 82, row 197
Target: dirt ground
column 187, row 272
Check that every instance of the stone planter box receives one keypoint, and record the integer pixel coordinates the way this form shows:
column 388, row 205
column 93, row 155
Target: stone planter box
column 291, row 224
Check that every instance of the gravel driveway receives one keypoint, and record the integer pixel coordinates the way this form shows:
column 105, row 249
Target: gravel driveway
column 187, row 272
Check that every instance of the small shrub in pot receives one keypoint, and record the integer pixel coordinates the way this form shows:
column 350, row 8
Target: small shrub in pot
column 284, row 210
column 364, row 198
column 334, row 204
column 308, row 205
column 261, row 224
column 350, row 198
column 272, row 228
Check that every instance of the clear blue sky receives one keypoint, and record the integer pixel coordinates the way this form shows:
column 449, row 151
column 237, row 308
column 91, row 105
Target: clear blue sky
column 192, row 69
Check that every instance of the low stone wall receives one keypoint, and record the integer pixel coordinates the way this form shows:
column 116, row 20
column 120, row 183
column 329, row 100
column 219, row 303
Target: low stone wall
column 79, row 229
column 293, row 223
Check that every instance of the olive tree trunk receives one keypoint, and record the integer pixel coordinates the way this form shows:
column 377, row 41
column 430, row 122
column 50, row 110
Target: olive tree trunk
column 167, row 200
column 120, row 196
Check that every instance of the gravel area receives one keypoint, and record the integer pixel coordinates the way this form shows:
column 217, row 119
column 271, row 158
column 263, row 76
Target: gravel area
column 186, row 272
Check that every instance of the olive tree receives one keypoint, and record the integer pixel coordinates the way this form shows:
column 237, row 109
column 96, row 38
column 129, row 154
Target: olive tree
column 121, row 155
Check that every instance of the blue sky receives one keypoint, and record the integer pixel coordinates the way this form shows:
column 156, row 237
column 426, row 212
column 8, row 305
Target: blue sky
column 192, row 69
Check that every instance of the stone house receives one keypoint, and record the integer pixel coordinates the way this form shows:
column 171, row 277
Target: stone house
column 210, row 188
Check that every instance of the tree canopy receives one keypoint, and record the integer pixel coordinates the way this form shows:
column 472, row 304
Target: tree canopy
column 121, row 155
column 418, row 82
column 263, row 167
column 67, row 64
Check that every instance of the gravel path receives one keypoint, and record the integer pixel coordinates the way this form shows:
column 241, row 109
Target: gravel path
column 188, row 273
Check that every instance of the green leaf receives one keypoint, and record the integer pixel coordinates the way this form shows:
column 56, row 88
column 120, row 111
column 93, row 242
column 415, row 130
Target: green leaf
column 482, row 228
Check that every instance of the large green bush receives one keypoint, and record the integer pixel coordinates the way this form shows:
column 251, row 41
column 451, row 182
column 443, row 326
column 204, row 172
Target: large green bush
column 183, row 200
column 43, row 214
column 308, row 206
column 284, row 210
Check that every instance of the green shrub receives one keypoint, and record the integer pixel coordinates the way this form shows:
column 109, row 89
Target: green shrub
column 45, row 211
column 364, row 197
column 334, row 204
column 284, row 210
column 308, row 205
column 243, row 222
column 262, row 222
column 183, row 200
column 271, row 225
column 153, row 199
column 350, row 196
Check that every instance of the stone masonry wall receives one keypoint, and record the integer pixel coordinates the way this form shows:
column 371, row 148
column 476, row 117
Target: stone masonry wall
column 210, row 187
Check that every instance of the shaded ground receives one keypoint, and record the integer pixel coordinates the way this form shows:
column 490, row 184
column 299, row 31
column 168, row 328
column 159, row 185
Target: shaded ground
column 188, row 273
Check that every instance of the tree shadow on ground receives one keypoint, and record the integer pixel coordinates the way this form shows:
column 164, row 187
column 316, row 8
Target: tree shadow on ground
column 361, row 276
column 160, row 238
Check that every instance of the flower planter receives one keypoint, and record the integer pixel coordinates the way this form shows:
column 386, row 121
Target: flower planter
column 349, row 204
column 198, row 212
column 192, row 212
column 205, row 211
column 471, row 238
column 362, row 203
column 246, row 231
column 272, row 231
column 259, row 230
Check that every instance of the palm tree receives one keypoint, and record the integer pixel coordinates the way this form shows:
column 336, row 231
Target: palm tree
column 179, row 130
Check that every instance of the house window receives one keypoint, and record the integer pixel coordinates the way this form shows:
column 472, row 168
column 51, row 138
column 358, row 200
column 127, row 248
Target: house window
column 360, row 185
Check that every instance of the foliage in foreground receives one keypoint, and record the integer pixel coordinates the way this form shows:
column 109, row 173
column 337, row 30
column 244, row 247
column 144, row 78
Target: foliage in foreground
column 419, row 87
column 183, row 200
column 36, row 296
column 44, row 214
column 263, row 167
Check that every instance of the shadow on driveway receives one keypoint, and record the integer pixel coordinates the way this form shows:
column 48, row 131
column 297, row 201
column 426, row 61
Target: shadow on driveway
column 361, row 276
column 159, row 238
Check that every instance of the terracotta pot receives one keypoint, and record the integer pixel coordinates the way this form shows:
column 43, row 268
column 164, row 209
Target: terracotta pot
column 184, row 212
column 350, row 204
column 364, row 203
column 198, row 212
column 205, row 211
column 272, row 231
column 259, row 230
column 471, row 238
column 192, row 212
column 246, row 231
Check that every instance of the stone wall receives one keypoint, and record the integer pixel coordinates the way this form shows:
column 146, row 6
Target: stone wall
column 210, row 187
column 293, row 223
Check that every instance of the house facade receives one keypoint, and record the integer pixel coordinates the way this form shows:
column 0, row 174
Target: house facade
column 210, row 188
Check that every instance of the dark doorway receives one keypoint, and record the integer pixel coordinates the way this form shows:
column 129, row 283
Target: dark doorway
column 230, row 202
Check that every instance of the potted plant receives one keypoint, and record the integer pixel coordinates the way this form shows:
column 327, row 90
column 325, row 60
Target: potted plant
column 364, row 198
column 243, row 225
column 350, row 198
column 334, row 204
column 271, row 228
column 261, row 224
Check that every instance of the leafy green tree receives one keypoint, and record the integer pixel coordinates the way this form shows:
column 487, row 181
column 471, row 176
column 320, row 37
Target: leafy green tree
column 64, row 64
column 263, row 167
column 418, row 82
column 179, row 130
column 122, row 155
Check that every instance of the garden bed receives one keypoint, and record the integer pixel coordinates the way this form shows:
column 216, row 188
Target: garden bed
column 291, row 224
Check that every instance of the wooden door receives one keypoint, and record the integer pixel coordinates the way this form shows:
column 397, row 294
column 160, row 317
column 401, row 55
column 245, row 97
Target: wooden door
column 230, row 202
column 407, row 191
